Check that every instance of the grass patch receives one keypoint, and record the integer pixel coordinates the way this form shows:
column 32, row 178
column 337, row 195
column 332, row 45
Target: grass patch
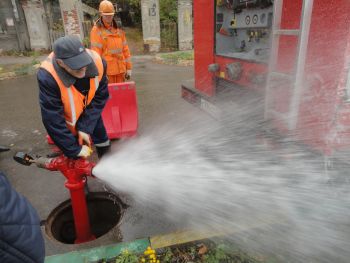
column 23, row 70
column 12, row 70
column 180, row 55
column 20, row 69
column 206, row 251
column 16, row 53
column 177, row 58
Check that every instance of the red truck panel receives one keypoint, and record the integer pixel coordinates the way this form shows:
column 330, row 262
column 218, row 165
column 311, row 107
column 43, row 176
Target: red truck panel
column 203, row 45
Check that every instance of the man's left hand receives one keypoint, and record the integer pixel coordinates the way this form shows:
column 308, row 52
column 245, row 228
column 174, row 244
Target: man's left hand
column 84, row 138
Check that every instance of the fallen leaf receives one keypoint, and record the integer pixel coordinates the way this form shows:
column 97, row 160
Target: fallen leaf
column 202, row 250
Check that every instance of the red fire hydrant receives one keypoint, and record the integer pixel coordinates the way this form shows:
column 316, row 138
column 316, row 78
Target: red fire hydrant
column 76, row 172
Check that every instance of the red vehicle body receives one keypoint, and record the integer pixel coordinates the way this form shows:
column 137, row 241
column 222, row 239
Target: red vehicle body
column 308, row 46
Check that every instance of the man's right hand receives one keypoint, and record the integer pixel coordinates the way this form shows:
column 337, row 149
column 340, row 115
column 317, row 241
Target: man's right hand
column 128, row 74
column 85, row 151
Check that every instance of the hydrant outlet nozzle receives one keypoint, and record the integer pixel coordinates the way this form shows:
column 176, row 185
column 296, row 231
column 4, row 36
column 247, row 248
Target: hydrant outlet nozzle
column 42, row 162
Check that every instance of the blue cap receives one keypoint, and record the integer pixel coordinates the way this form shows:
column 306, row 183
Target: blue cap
column 72, row 52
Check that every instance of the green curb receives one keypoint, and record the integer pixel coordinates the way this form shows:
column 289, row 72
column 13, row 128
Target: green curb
column 104, row 252
column 138, row 246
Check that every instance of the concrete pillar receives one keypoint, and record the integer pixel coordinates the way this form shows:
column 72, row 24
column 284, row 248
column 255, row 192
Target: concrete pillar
column 150, row 25
column 21, row 26
column 36, row 23
column 72, row 16
column 185, row 34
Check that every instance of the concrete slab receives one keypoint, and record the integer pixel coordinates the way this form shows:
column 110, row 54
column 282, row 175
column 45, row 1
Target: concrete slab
column 158, row 89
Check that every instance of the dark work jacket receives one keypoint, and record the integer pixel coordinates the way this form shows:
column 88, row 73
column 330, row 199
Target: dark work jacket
column 20, row 234
column 52, row 111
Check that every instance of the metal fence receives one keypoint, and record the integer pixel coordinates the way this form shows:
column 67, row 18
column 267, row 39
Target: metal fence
column 168, row 36
column 55, row 34
column 87, row 26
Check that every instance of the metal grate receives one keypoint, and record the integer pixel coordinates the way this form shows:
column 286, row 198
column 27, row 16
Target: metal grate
column 168, row 36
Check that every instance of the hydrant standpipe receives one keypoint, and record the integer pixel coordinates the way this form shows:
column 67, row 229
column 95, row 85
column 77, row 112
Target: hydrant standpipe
column 75, row 172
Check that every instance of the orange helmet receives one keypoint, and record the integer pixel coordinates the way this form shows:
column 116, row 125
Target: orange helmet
column 106, row 8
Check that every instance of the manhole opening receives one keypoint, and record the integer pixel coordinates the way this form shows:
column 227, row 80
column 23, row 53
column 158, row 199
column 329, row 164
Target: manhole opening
column 105, row 212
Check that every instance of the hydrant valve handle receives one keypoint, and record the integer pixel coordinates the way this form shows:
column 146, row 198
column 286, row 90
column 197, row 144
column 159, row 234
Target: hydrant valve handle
column 23, row 158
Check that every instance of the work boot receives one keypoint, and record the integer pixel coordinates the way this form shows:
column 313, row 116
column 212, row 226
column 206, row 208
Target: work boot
column 102, row 150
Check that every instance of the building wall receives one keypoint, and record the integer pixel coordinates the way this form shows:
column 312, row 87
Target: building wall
column 13, row 28
column 37, row 24
column 72, row 14
column 8, row 35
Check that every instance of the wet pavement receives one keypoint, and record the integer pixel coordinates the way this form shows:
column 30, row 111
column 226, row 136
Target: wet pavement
column 160, row 104
column 159, row 101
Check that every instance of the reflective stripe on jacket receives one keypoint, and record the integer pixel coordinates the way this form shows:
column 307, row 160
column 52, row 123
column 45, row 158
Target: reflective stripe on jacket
column 73, row 101
column 112, row 46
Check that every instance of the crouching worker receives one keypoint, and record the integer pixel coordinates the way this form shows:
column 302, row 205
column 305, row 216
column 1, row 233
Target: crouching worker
column 21, row 240
column 72, row 93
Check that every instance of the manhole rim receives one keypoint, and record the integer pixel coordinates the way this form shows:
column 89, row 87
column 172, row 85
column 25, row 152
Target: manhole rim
column 65, row 204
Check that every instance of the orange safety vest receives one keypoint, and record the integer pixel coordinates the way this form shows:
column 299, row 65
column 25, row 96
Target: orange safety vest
column 113, row 47
column 73, row 101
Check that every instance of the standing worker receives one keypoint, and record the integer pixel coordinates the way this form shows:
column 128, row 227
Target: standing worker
column 73, row 92
column 110, row 43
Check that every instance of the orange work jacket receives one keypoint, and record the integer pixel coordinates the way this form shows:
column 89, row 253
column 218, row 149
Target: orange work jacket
column 73, row 101
column 111, row 45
